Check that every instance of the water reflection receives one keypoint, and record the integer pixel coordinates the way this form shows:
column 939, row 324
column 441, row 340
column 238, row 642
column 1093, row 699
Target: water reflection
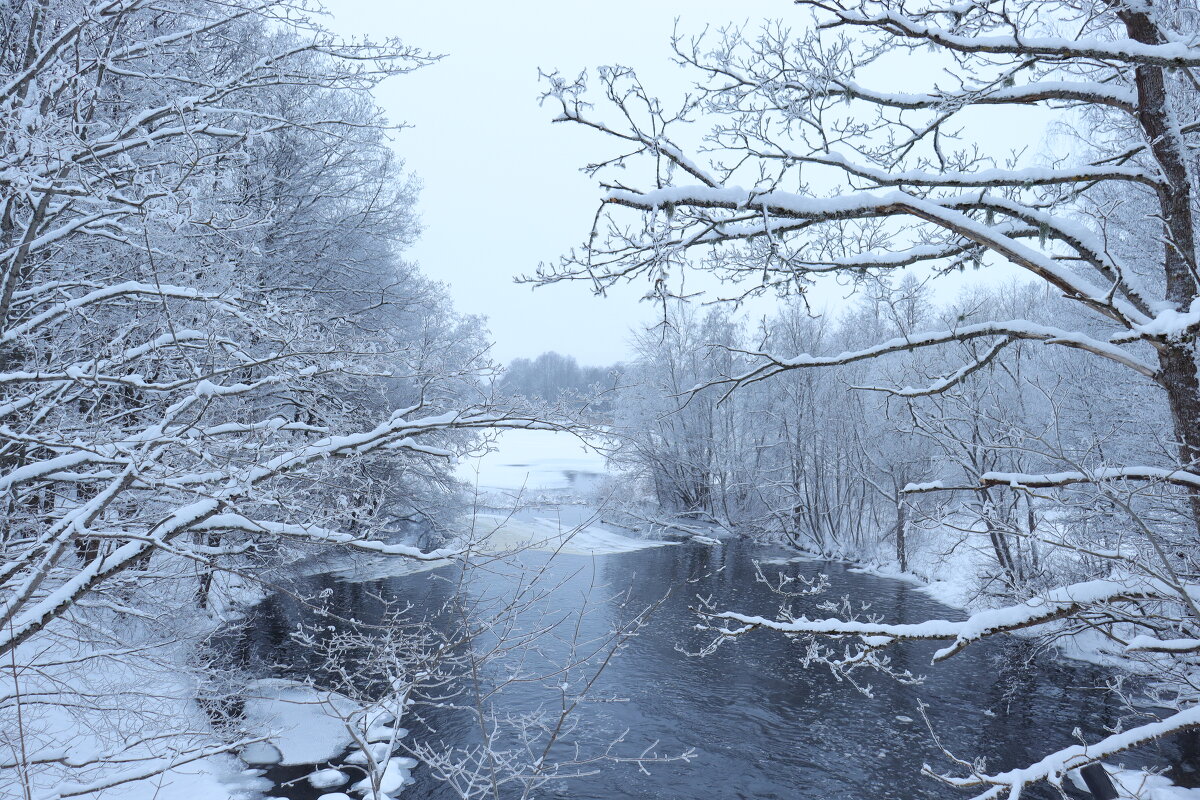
column 761, row 724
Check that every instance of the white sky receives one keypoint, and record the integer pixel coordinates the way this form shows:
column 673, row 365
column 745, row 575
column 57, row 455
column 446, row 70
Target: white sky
column 502, row 187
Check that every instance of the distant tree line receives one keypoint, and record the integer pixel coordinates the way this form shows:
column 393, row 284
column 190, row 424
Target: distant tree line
column 553, row 377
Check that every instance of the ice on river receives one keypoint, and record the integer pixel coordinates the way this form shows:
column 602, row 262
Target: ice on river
column 496, row 533
column 534, row 461
column 542, row 463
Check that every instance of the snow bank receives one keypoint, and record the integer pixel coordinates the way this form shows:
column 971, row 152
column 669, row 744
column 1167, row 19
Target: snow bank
column 152, row 692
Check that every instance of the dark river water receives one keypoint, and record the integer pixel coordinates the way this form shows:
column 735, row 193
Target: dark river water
column 760, row 724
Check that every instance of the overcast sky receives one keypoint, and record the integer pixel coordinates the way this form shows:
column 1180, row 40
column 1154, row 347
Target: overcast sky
column 502, row 187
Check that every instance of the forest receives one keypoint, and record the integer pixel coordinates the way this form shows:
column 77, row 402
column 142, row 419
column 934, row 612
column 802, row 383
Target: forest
column 239, row 534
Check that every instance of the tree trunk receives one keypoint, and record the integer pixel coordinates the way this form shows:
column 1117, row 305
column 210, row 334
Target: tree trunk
column 1177, row 361
column 1178, row 366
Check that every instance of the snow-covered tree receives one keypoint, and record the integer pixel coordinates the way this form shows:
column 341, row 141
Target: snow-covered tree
column 210, row 351
column 687, row 451
column 810, row 170
column 552, row 377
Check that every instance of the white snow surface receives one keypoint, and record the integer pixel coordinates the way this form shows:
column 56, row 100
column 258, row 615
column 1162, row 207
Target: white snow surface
column 261, row 754
column 78, row 733
column 327, row 778
column 1171, row 322
column 379, row 752
column 533, row 460
column 300, row 720
column 395, row 777
column 1139, row 785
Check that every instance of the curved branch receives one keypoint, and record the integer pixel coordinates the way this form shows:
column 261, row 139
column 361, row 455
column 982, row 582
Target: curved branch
column 1011, row 330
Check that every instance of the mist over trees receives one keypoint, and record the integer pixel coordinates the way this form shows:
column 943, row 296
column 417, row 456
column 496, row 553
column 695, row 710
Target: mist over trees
column 552, row 377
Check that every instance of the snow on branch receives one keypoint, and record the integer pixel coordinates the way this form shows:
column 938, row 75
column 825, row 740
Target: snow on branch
column 947, row 382
column 129, row 289
column 1055, row 604
column 1025, row 480
column 25, row 613
column 1128, row 51
column 869, row 206
column 1011, row 330
column 1035, row 92
column 319, row 535
column 982, row 178
column 1054, row 767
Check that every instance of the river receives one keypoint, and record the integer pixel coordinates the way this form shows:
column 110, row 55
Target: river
column 757, row 722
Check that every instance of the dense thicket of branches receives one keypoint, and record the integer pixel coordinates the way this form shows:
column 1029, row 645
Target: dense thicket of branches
column 1027, row 403
column 210, row 351
column 819, row 459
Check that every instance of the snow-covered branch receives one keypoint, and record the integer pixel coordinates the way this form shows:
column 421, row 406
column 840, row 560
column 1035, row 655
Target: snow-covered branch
column 1054, row 605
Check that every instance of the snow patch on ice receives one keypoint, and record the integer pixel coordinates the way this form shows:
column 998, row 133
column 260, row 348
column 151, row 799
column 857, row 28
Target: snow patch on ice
column 394, row 778
column 305, row 724
column 261, row 754
column 533, row 460
column 327, row 778
column 379, row 752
